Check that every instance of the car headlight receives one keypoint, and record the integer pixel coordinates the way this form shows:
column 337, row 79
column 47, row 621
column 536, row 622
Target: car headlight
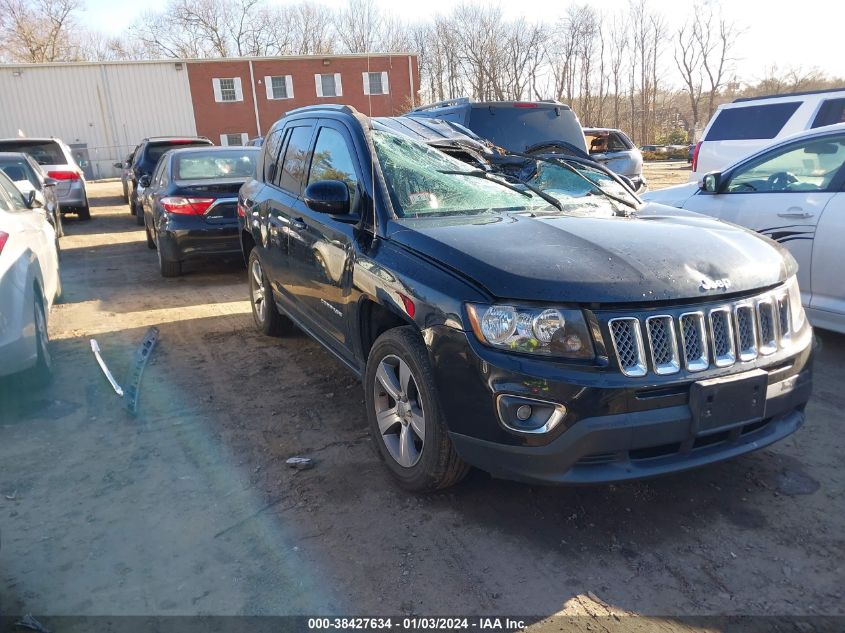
column 795, row 307
column 550, row 331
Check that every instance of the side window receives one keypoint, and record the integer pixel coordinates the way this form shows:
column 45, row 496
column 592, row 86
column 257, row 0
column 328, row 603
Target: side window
column 807, row 166
column 831, row 111
column 616, row 143
column 295, row 162
column 751, row 122
column 271, row 155
column 155, row 180
column 332, row 160
column 15, row 197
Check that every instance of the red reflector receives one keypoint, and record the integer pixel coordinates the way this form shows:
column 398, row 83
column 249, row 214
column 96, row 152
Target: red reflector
column 241, row 210
column 695, row 155
column 186, row 206
column 410, row 308
column 524, row 105
column 3, row 238
column 63, row 175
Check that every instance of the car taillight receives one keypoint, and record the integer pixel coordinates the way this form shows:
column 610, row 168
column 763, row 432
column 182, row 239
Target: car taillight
column 63, row 175
column 241, row 210
column 695, row 155
column 186, row 206
column 3, row 237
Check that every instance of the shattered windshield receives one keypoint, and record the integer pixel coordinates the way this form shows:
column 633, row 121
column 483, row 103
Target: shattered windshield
column 569, row 187
column 418, row 186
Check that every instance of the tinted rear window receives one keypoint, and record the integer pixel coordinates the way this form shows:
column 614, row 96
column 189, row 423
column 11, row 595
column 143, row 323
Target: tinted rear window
column 832, row 111
column 44, row 152
column 751, row 122
column 214, row 165
column 18, row 170
column 517, row 129
column 156, row 150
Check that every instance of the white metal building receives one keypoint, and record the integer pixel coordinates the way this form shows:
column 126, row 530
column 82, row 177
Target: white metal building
column 96, row 108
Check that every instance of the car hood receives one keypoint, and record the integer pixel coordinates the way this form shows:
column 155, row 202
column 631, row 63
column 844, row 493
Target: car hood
column 657, row 255
column 674, row 196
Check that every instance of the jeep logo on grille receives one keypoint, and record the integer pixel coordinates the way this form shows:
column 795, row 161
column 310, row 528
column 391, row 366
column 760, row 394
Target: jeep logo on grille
column 715, row 284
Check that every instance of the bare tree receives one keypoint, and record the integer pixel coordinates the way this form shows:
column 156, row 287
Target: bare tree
column 39, row 31
column 688, row 61
column 716, row 39
column 358, row 26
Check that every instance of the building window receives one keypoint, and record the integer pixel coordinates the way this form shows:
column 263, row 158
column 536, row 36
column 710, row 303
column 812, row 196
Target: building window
column 227, row 90
column 280, row 87
column 375, row 84
column 328, row 85
column 234, row 139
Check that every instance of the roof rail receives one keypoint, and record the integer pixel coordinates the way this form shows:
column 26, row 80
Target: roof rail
column 442, row 104
column 331, row 107
column 789, row 94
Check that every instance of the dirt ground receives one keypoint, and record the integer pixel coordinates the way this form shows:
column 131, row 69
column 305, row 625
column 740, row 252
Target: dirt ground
column 190, row 509
column 661, row 174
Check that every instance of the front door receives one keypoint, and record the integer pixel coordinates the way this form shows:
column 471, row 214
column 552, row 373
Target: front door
column 321, row 247
column 828, row 300
column 781, row 194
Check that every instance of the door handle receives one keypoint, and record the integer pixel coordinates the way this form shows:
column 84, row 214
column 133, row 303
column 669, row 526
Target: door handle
column 298, row 224
column 796, row 213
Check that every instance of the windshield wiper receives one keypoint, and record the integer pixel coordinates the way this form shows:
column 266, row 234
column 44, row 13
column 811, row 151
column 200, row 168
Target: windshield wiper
column 486, row 175
column 480, row 173
column 570, row 167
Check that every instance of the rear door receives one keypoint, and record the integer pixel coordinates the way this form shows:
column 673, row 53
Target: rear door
column 828, row 281
column 321, row 246
column 782, row 194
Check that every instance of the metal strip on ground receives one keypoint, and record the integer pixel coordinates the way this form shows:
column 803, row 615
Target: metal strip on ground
column 142, row 355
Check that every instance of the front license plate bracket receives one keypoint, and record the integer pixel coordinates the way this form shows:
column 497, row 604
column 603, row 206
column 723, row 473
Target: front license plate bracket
column 718, row 404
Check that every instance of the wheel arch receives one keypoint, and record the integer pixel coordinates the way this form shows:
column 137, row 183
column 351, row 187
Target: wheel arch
column 374, row 319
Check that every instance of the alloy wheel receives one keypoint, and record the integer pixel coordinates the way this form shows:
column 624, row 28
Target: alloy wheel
column 256, row 287
column 43, row 336
column 399, row 411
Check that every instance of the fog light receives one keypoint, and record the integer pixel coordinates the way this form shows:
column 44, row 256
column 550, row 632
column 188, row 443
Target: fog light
column 523, row 412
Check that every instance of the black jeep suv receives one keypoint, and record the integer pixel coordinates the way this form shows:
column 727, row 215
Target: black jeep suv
column 565, row 340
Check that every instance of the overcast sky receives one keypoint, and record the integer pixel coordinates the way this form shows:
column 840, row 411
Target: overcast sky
column 807, row 34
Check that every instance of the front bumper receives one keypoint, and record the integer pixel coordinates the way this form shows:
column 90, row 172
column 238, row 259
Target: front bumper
column 614, row 430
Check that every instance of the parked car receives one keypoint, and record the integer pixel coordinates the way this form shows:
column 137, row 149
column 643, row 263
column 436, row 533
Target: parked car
column 793, row 191
column 517, row 126
column 613, row 149
column 258, row 141
column 29, row 283
column 145, row 160
column 539, row 342
column 125, row 168
column 28, row 176
column 741, row 128
column 654, row 149
column 57, row 160
column 190, row 204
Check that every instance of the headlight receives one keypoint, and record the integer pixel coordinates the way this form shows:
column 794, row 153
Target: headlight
column 795, row 306
column 550, row 331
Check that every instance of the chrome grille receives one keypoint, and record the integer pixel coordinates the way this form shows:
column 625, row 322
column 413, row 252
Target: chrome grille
column 663, row 344
column 628, row 343
column 745, row 332
column 766, row 322
column 718, row 336
column 722, row 336
column 694, row 338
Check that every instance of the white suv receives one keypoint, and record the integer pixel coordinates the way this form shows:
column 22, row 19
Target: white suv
column 743, row 127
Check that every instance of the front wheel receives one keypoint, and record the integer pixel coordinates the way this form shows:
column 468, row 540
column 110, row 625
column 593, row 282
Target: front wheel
column 150, row 243
column 264, row 312
column 404, row 414
column 139, row 215
column 42, row 373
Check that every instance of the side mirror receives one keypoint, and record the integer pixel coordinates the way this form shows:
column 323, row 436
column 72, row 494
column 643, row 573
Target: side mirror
column 118, row 165
column 711, row 182
column 328, row 196
column 50, row 182
column 33, row 200
column 144, row 181
column 627, row 181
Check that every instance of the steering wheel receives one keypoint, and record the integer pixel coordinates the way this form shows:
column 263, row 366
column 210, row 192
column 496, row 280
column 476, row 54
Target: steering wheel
column 781, row 180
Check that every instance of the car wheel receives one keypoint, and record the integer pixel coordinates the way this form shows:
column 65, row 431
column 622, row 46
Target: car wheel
column 404, row 414
column 264, row 311
column 125, row 193
column 60, row 229
column 42, row 373
column 84, row 213
column 150, row 243
column 168, row 267
column 139, row 215
column 131, row 202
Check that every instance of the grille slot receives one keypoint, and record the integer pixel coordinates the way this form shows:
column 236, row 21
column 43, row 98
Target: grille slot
column 722, row 337
column 694, row 338
column 663, row 344
column 746, row 335
column 628, row 344
column 784, row 322
column 766, row 326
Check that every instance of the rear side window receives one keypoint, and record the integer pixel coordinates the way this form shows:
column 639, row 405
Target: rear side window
column 831, row 112
column 44, row 152
column 751, row 122
column 295, row 163
column 519, row 128
column 271, row 155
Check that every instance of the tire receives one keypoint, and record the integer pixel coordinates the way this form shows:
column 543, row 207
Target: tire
column 429, row 461
column 168, row 268
column 139, row 215
column 42, row 373
column 60, row 228
column 84, row 213
column 264, row 312
column 125, row 192
column 131, row 202
column 150, row 243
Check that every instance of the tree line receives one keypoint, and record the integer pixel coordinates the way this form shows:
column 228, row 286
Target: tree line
column 627, row 69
